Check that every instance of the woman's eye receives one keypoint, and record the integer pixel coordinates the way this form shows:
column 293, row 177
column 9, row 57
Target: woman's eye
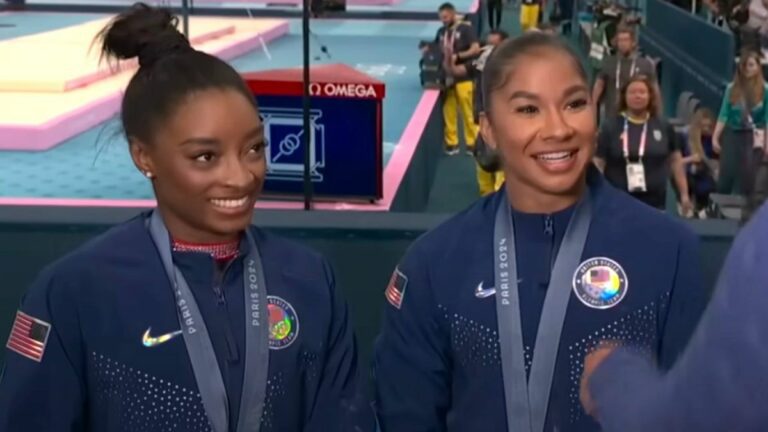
column 257, row 148
column 204, row 157
column 577, row 104
column 527, row 110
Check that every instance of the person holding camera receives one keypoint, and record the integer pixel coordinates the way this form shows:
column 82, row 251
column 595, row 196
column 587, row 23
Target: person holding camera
column 638, row 149
column 460, row 46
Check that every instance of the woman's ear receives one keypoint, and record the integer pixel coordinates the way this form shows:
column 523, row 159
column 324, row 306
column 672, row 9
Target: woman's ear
column 141, row 155
column 487, row 132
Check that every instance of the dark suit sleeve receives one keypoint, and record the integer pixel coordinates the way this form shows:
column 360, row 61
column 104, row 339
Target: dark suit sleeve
column 687, row 300
column 49, row 395
column 720, row 381
column 340, row 404
column 411, row 362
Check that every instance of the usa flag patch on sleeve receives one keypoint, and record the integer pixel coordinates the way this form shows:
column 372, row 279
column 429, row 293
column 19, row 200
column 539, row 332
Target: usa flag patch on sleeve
column 396, row 289
column 29, row 336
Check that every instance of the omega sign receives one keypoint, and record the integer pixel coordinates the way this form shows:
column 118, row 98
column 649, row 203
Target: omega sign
column 342, row 90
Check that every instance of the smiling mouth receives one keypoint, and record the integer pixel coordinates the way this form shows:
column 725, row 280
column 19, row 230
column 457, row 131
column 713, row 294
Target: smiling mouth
column 556, row 157
column 230, row 203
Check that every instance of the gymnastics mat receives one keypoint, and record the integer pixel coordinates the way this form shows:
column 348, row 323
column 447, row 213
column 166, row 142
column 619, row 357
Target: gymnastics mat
column 36, row 121
column 75, row 56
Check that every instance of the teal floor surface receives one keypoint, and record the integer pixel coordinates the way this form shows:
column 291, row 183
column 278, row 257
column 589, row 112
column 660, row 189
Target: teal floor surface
column 96, row 164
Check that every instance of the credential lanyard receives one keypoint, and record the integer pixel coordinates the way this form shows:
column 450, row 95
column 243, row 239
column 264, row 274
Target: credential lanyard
column 527, row 400
column 625, row 141
column 448, row 36
column 198, row 342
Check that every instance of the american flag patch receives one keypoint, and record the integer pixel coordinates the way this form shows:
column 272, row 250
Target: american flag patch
column 396, row 289
column 29, row 336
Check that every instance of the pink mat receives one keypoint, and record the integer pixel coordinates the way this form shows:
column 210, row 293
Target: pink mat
column 100, row 74
column 45, row 136
column 394, row 173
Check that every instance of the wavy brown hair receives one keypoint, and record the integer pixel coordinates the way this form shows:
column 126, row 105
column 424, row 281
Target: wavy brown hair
column 653, row 103
column 749, row 90
column 695, row 132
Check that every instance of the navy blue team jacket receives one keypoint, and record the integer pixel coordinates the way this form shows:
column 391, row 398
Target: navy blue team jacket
column 720, row 383
column 97, row 375
column 437, row 360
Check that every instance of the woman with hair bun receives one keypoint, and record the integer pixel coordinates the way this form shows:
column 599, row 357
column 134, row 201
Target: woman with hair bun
column 184, row 318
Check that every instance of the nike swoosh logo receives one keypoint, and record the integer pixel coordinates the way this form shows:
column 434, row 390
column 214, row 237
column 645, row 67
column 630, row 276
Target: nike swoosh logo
column 150, row 341
column 482, row 293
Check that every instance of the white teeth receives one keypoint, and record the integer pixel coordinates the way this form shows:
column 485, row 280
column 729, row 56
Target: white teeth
column 555, row 156
column 230, row 203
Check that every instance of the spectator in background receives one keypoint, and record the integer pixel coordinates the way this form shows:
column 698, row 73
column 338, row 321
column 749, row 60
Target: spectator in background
column 490, row 177
column 638, row 149
column 529, row 14
column 460, row 47
column 564, row 14
column 495, row 10
column 755, row 31
column 488, row 182
column 742, row 118
column 619, row 68
column 700, row 159
column 736, row 15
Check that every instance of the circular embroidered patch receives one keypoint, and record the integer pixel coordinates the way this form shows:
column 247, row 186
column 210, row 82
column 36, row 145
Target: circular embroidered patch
column 283, row 323
column 600, row 283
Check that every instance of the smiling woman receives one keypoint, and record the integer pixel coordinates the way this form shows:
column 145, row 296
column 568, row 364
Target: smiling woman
column 188, row 302
column 562, row 256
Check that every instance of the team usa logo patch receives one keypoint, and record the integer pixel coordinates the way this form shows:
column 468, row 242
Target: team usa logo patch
column 29, row 336
column 396, row 289
column 283, row 323
column 600, row 283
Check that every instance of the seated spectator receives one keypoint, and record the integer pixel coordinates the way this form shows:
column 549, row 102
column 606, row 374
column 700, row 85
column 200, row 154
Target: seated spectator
column 700, row 159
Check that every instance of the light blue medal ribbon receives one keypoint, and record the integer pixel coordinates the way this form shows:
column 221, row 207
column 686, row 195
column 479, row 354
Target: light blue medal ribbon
column 198, row 342
column 527, row 400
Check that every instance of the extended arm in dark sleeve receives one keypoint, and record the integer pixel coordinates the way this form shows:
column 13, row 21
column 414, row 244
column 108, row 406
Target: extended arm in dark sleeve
column 687, row 301
column 46, row 395
column 720, row 381
column 340, row 404
column 411, row 359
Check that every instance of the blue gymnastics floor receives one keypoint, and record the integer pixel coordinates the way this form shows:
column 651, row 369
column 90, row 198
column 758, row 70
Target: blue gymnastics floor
column 96, row 164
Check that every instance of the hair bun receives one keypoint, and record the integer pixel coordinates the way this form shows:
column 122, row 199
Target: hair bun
column 145, row 32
